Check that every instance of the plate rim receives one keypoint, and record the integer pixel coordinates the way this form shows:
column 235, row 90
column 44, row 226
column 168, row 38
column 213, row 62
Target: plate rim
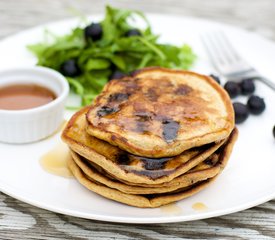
column 141, row 220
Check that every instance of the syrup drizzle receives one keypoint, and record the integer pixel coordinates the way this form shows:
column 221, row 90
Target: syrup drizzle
column 199, row 206
column 56, row 161
column 171, row 209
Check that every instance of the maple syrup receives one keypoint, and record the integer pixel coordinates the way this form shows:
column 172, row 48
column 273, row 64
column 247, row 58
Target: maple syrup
column 56, row 161
column 24, row 96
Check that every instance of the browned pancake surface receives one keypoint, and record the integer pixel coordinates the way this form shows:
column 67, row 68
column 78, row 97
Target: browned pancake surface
column 159, row 112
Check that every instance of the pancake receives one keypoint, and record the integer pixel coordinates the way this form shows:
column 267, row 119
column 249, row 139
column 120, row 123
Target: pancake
column 185, row 179
column 180, row 182
column 207, row 169
column 159, row 112
column 142, row 201
column 151, row 200
column 127, row 167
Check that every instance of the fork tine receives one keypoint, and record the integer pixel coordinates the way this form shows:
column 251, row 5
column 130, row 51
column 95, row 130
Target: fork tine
column 231, row 51
column 215, row 56
column 218, row 43
column 220, row 50
column 222, row 46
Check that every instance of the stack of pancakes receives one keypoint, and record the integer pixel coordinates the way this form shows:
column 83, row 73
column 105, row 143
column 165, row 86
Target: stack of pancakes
column 152, row 138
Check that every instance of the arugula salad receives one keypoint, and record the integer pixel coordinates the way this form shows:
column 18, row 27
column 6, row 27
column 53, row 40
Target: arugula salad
column 90, row 56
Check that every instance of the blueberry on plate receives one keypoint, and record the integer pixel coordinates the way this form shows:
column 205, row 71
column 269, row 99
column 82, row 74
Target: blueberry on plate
column 216, row 78
column 117, row 75
column 241, row 112
column 70, row 68
column 274, row 131
column 133, row 32
column 247, row 86
column 93, row 31
column 256, row 105
column 232, row 88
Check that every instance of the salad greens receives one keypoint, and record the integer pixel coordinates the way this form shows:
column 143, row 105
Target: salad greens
column 114, row 51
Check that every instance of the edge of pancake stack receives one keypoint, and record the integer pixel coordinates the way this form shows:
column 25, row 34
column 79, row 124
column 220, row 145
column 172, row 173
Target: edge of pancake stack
column 152, row 138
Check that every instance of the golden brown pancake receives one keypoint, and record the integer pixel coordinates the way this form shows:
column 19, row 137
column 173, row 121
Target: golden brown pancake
column 159, row 112
column 127, row 167
column 109, row 190
column 143, row 201
column 206, row 171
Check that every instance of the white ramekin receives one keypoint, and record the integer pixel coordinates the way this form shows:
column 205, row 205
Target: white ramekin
column 29, row 125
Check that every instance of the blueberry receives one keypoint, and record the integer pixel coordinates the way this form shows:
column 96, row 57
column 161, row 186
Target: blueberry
column 93, row 31
column 69, row 68
column 216, row 78
column 256, row 105
column 232, row 88
column 134, row 72
column 133, row 32
column 247, row 86
column 274, row 131
column 117, row 75
column 241, row 112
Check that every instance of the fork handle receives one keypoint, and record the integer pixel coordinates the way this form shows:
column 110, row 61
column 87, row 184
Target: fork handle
column 267, row 82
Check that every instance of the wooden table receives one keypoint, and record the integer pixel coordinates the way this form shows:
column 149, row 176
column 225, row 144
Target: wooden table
column 22, row 221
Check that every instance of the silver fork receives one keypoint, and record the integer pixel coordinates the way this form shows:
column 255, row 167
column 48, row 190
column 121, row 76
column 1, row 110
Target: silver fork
column 227, row 61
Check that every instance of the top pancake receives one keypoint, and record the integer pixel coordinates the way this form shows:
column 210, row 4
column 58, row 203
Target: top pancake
column 159, row 112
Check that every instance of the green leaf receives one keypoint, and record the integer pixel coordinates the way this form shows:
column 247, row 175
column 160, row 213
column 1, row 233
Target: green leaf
column 154, row 48
column 77, row 87
column 119, row 62
column 147, row 57
column 96, row 64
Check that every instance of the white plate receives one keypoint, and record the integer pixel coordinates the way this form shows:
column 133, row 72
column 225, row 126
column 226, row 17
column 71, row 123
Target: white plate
column 248, row 179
